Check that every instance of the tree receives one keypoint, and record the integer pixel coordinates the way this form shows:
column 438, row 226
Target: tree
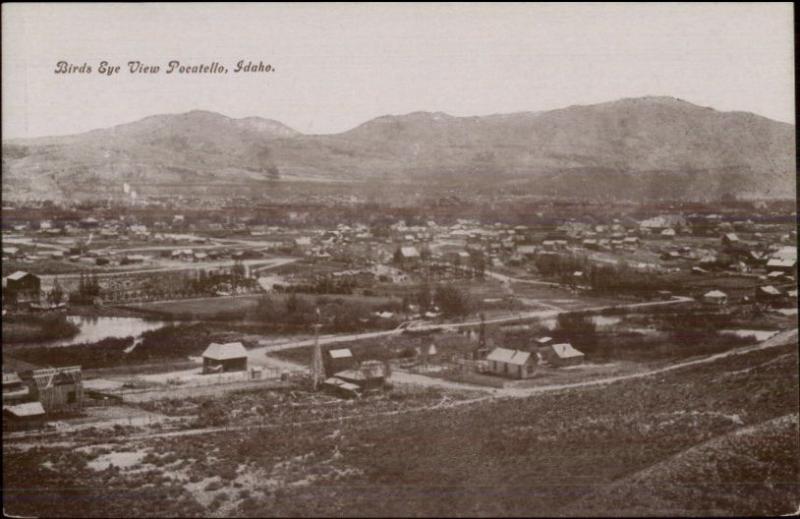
column 57, row 294
column 452, row 301
column 477, row 263
column 424, row 297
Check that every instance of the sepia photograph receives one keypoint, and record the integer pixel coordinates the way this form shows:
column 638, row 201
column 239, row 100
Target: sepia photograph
column 399, row 260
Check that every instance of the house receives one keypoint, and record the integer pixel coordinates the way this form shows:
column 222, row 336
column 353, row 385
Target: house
column 716, row 297
column 511, row 363
column 407, row 255
column 668, row 233
column 21, row 287
column 560, row 355
column 338, row 360
column 221, row 358
column 768, row 295
column 785, row 265
column 27, row 415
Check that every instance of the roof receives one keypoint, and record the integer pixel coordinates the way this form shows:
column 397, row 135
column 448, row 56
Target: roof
column 341, row 384
column 11, row 378
column 231, row 350
column 566, row 351
column 507, row 356
column 771, row 290
column 778, row 262
column 16, row 276
column 544, row 340
column 409, row 252
column 340, row 354
column 25, row 410
column 731, row 236
column 715, row 294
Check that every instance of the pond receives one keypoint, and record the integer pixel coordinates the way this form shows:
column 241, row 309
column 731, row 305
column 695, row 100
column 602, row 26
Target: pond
column 93, row 329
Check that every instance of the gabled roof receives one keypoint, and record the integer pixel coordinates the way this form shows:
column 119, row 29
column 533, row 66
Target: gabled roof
column 778, row 262
column 715, row 294
column 16, row 276
column 565, row 351
column 507, row 356
column 231, row 350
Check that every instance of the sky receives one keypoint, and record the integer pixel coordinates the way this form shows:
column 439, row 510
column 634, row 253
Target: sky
column 339, row 65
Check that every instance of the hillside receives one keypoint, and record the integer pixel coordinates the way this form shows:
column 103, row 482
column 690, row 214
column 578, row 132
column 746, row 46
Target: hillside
column 652, row 147
column 707, row 431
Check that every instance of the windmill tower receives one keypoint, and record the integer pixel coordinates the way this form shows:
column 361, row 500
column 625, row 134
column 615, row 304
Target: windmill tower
column 317, row 371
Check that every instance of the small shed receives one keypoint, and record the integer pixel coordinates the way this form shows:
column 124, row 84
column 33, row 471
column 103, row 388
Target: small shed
column 221, row 358
column 512, row 363
column 559, row 355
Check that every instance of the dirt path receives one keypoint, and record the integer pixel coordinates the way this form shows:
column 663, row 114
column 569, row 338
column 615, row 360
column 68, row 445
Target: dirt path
column 518, row 316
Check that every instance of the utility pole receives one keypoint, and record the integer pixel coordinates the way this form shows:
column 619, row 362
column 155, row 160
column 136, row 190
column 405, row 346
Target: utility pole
column 316, row 361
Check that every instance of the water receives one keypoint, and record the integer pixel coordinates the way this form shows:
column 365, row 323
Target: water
column 93, row 329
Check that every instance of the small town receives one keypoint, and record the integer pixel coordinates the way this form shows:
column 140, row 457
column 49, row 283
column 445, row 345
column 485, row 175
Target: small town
column 399, row 260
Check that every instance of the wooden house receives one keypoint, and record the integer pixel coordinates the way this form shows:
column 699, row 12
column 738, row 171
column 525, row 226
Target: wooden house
column 511, row 363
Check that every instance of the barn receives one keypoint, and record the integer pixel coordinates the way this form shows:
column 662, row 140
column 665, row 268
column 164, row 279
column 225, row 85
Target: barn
column 58, row 389
column 221, row 358
column 512, row 363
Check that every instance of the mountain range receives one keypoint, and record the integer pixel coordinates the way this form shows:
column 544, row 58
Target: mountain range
column 637, row 148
